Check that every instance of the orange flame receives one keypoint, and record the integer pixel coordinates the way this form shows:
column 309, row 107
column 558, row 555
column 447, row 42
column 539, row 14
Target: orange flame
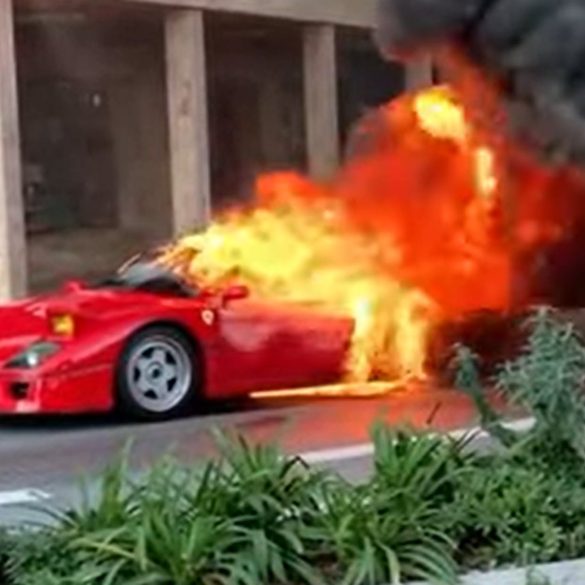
column 409, row 233
column 300, row 250
column 440, row 115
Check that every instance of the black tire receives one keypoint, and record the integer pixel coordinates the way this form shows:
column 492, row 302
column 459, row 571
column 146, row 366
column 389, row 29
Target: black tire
column 158, row 375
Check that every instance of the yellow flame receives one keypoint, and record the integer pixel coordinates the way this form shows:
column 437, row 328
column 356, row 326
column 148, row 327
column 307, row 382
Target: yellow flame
column 485, row 172
column 301, row 253
column 357, row 390
column 440, row 116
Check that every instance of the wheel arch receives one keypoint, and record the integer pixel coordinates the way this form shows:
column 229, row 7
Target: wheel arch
column 177, row 326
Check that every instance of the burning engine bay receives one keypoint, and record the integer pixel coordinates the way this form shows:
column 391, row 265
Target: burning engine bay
column 433, row 223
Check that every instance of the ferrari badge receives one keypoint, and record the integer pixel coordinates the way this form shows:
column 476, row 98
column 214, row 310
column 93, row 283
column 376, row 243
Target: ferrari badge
column 208, row 317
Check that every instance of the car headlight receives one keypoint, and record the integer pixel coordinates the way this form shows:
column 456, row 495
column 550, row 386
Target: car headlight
column 34, row 355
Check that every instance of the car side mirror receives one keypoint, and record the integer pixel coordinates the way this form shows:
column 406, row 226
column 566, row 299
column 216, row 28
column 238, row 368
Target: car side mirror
column 235, row 293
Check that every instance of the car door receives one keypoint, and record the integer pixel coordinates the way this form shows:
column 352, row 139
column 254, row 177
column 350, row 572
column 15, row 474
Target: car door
column 274, row 346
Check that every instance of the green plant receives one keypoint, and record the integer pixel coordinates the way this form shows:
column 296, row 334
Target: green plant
column 420, row 467
column 42, row 558
column 49, row 555
column 115, row 505
column 548, row 380
column 467, row 379
column 510, row 514
column 274, row 506
column 391, row 529
column 53, row 554
column 252, row 517
column 6, row 545
column 526, row 505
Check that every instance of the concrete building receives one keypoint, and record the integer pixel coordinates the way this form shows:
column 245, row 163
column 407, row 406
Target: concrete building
column 126, row 122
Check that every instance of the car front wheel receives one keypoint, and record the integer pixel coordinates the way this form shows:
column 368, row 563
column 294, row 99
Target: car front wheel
column 158, row 375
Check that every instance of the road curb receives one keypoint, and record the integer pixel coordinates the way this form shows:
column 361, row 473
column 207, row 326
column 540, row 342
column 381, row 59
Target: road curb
column 364, row 450
column 565, row 573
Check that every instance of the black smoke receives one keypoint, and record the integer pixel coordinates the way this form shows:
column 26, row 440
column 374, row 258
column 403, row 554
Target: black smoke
column 533, row 49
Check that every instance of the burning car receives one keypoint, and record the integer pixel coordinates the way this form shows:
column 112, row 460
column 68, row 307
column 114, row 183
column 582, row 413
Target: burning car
column 151, row 343
column 427, row 235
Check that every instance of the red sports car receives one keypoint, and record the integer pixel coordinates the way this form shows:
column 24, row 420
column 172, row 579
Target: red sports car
column 151, row 344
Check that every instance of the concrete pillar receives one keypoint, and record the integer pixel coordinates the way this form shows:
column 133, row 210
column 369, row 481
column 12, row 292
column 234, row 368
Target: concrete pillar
column 321, row 100
column 13, row 271
column 419, row 75
column 188, row 120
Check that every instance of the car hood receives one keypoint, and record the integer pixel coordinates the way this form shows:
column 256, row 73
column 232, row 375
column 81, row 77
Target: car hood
column 26, row 321
column 20, row 325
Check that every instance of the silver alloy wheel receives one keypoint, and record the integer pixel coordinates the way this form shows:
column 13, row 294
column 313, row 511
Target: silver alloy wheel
column 159, row 374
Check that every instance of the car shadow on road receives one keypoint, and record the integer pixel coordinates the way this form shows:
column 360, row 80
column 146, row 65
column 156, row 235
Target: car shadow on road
column 75, row 422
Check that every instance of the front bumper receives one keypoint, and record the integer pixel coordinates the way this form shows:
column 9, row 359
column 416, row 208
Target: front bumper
column 84, row 391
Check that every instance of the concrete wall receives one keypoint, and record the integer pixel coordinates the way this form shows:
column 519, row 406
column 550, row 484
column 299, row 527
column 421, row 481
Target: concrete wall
column 141, row 149
column 255, row 102
column 109, row 178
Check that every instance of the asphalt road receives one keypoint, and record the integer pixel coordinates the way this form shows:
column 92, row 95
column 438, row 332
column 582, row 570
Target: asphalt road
column 46, row 458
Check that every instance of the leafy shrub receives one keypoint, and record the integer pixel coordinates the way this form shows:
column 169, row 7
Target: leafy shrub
column 391, row 528
column 274, row 509
column 547, row 378
column 510, row 514
column 422, row 468
column 6, row 544
column 41, row 559
column 528, row 504
column 254, row 517
column 51, row 555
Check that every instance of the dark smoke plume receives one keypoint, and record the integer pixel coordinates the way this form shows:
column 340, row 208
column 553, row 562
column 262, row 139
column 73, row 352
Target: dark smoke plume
column 533, row 49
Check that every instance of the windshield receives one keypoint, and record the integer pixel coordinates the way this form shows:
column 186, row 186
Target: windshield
column 145, row 273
